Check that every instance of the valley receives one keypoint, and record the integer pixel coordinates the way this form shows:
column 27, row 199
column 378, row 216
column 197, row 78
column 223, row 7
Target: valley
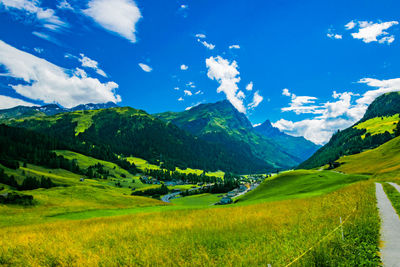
column 108, row 201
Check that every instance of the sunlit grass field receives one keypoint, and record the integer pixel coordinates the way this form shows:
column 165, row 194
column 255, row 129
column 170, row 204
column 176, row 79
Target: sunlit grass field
column 379, row 125
column 142, row 165
column 255, row 235
column 383, row 161
column 198, row 200
column 300, row 184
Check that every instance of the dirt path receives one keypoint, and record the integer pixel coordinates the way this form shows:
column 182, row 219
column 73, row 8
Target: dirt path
column 390, row 229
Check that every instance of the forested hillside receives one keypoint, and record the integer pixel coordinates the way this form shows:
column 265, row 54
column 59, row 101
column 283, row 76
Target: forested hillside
column 126, row 131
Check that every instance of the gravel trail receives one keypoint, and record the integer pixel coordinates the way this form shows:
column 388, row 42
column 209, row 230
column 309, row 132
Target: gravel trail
column 390, row 229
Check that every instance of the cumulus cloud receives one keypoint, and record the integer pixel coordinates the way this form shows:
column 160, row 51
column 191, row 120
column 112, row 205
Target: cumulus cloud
column 350, row 25
column 334, row 36
column 249, row 87
column 227, row 75
column 187, row 92
column 300, row 104
column 63, row 4
column 286, row 92
column 257, row 99
column 180, row 99
column 234, row 47
column 207, row 45
column 10, row 102
column 369, row 31
column 343, row 111
column 184, row 67
column 39, row 79
column 145, row 67
column 200, row 35
column 92, row 64
column 176, row 88
column 45, row 16
column 199, row 92
column 117, row 16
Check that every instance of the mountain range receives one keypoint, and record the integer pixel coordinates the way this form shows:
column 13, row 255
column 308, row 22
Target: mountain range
column 209, row 136
column 48, row 110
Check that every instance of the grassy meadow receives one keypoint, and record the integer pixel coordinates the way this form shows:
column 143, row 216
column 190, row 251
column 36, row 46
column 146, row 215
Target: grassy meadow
column 381, row 162
column 379, row 125
column 260, row 234
column 142, row 165
column 300, row 184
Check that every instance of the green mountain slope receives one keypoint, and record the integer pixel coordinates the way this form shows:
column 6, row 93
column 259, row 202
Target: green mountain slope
column 300, row 184
column 379, row 125
column 221, row 123
column 297, row 146
column 382, row 160
column 131, row 132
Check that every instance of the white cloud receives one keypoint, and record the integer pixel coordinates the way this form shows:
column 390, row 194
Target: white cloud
column 234, row 47
column 200, row 35
column 180, row 99
column 176, row 88
column 286, row 92
column 63, row 4
column 257, row 99
column 10, row 102
column 38, row 50
column 46, row 37
column 350, row 25
column 145, row 67
column 208, row 45
column 192, row 106
column 184, row 67
column 46, row 16
column 303, row 105
column 199, row 92
column 346, row 109
column 257, row 124
column 187, row 92
column 191, row 85
column 227, row 75
column 39, row 79
column 118, row 16
column 92, row 64
column 384, row 86
column 372, row 32
column 334, row 36
column 184, row 6
column 249, row 87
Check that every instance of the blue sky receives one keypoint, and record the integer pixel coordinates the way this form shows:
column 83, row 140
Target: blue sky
column 311, row 67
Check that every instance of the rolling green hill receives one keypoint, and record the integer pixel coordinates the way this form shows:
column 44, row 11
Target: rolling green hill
column 300, row 184
column 379, row 125
column 221, row 123
column 130, row 132
column 382, row 161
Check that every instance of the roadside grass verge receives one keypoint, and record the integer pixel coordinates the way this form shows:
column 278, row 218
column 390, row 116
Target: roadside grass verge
column 393, row 195
column 255, row 235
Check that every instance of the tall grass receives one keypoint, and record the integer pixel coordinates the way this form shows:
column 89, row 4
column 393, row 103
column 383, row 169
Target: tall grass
column 254, row 235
